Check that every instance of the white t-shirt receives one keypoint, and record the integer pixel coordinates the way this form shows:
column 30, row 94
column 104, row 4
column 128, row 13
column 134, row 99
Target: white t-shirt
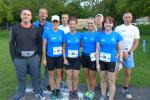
column 66, row 29
column 129, row 33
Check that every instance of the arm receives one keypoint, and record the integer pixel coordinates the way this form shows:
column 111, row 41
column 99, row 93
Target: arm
column 120, row 58
column 12, row 46
column 135, row 45
column 44, row 52
column 97, row 55
column 120, row 51
column 64, row 54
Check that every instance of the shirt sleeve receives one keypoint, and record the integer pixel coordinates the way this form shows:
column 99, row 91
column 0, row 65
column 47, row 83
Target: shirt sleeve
column 44, row 36
column 64, row 38
column 119, row 37
column 12, row 46
column 137, row 33
column 98, row 36
column 117, row 29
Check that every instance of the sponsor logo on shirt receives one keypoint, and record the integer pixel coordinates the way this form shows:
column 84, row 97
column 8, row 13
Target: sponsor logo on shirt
column 77, row 40
column 53, row 38
column 103, row 40
column 123, row 30
column 68, row 41
column 92, row 38
column 47, row 28
column 85, row 38
column 113, row 39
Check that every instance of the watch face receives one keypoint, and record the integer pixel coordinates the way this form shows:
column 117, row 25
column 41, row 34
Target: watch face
column 129, row 53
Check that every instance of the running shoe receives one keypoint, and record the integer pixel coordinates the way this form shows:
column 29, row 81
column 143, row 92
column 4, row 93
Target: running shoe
column 91, row 96
column 127, row 93
column 102, row 98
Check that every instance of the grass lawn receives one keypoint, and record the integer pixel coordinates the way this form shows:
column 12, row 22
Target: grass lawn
column 8, row 81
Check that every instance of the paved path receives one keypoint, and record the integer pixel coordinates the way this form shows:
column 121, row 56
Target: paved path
column 139, row 93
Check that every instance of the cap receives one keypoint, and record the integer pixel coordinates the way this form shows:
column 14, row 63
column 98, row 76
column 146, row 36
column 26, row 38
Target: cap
column 99, row 15
column 55, row 17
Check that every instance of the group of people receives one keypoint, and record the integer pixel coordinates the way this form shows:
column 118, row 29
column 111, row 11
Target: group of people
column 101, row 48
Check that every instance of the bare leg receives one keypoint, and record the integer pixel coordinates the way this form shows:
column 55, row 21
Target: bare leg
column 86, row 73
column 111, row 81
column 69, row 79
column 59, row 78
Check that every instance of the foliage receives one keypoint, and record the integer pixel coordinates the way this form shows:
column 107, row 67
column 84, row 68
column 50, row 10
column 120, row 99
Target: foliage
column 10, row 9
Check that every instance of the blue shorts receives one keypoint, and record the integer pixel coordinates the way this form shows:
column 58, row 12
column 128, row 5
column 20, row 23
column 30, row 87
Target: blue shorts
column 129, row 63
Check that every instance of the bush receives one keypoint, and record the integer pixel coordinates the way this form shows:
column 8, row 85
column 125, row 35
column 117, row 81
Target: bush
column 144, row 29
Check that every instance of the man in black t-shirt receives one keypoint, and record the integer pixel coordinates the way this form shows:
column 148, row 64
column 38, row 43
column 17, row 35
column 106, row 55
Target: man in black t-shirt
column 24, row 40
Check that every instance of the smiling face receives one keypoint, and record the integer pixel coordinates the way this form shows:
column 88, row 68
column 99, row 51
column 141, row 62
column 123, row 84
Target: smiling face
column 43, row 14
column 55, row 24
column 108, row 23
column 26, row 16
column 99, row 20
column 90, row 24
column 72, row 25
column 127, row 18
column 64, row 19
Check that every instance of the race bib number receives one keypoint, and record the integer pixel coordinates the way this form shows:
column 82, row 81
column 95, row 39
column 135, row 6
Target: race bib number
column 93, row 56
column 105, row 57
column 57, row 50
column 27, row 53
column 126, row 47
column 73, row 53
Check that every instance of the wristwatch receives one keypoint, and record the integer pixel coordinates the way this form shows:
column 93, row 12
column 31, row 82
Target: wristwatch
column 129, row 52
column 121, row 62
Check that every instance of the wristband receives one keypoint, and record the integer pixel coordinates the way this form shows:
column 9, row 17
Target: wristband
column 121, row 62
column 129, row 52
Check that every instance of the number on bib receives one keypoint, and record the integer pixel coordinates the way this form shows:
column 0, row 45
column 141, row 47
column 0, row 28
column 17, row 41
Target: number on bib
column 93, row 56
column 105, row 57
column 57, row 50
column 73, row 53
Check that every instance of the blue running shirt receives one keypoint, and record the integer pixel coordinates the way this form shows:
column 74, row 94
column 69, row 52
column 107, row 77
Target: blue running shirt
column 72, row 44
column 54, row 42
column 89, row 42
column 108, row 45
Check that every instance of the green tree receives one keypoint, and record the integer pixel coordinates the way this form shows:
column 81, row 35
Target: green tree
column 5, row 12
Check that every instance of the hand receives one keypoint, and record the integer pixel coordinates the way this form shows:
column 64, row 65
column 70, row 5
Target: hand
column 66, row 62
column 125, row 55
column 44, row 62
column 119, row 66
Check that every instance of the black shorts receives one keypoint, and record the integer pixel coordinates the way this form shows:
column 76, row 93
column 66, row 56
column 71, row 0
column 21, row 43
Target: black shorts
column 74, row 63
column 54, row 62
column 87, row 63
column 107, row 66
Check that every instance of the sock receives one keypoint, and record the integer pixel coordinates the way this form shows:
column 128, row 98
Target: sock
column 57, row 91
column 53, row 91
column 125, row 88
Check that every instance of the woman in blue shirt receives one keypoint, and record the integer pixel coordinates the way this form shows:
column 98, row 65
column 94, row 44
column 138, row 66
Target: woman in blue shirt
column 89, row 58
column 108, row 42
column 52, row 55
column 71, row 55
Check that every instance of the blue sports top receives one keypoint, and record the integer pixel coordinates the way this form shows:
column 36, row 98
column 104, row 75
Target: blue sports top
column 108, row 45
column 89, row 42
column 72, row 44
column 54, row 42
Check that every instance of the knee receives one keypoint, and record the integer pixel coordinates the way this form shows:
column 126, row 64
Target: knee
column 76, row 77
column 86, row 74
column 112, row 83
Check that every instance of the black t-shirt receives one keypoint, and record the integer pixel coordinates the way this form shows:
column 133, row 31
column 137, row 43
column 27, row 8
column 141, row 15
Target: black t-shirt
column 24, row 39
column 41, row 27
